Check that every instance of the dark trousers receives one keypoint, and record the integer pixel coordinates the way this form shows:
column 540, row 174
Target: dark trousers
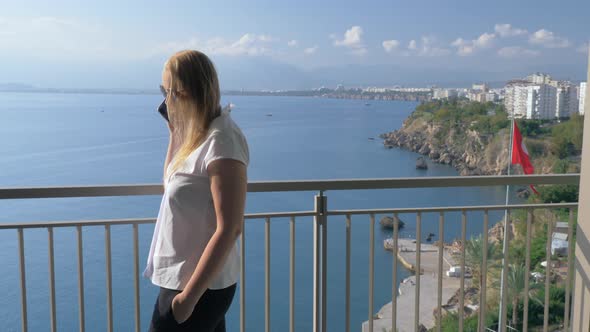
column 208, row 315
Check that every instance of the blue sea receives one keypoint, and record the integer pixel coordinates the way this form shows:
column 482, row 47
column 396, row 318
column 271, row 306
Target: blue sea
column 90, row 139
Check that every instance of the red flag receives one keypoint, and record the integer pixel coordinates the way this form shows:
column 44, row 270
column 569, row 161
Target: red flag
column 520, row 155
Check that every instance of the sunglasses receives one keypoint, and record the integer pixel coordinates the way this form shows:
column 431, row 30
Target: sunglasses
column 164, row 91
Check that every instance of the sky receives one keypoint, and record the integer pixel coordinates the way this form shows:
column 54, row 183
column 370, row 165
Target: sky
column 263, row 44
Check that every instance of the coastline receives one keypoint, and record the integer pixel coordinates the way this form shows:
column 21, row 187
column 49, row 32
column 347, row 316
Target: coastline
column 428, row 286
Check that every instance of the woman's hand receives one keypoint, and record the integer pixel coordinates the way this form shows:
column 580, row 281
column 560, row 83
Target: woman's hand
column 182, row 308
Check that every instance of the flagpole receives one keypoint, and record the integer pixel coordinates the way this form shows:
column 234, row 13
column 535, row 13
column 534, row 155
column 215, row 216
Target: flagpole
column 501, row 322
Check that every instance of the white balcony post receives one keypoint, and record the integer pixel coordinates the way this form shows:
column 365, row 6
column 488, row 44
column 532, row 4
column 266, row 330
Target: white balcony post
column 319, row 263
column 581, row 307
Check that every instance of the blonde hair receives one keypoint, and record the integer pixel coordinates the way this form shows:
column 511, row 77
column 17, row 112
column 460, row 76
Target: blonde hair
column 193, row 102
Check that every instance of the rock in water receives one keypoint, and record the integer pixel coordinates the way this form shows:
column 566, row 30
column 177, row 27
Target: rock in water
column 523, row 193
column 387, row 222
column 421, row 163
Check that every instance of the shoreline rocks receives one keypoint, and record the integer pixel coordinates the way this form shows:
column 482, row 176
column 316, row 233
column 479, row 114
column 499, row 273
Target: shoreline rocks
column 387, row 222
column 474, row 154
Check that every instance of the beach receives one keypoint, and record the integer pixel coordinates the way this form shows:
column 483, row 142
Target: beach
column 407, row 289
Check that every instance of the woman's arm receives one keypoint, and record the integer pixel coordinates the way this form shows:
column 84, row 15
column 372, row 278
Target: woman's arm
column 228, row 188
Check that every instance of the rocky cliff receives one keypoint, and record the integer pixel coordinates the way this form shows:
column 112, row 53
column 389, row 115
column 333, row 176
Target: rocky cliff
column 470, row 152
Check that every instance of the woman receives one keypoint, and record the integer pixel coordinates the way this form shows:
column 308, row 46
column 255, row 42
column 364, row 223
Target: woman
column 193, row 256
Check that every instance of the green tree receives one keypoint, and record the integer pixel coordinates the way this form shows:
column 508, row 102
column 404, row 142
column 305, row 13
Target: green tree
column 474, row 253
column 566, row 137
column 556, row 305
column 515, row 285
column 559, row 193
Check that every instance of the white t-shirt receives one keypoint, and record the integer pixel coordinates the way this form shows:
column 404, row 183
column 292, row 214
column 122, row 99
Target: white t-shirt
column 186, row 220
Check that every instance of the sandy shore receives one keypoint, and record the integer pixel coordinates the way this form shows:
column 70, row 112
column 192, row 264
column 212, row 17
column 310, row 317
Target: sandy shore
column 407, row 289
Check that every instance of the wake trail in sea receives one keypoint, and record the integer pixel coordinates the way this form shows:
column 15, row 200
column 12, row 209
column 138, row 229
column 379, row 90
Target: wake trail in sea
column 34, row 155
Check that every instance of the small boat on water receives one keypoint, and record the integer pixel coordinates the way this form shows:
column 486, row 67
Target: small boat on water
column 430, row 236
column 371, row 138
column 367, row 104
column 269, row 114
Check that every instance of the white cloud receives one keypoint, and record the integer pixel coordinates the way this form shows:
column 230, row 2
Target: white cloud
column 352, row 37
column 266, row 38
column 352, row 40
column 485, row 40
column 390, row 45
column 249, row 44
column 506, row 30
column 428, row 47
column 583, row 48
column 548, row 39
column 463, row 46
column 310, row 50
column 517, row 52
column 292, row 43
column 468, row 47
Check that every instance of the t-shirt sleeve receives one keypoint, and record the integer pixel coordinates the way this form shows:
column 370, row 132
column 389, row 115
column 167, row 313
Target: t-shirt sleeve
column 227, row 145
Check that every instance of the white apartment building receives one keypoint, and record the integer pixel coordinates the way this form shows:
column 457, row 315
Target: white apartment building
column 518, row 97
column 477, row 96
column 531, row 101
column 539, row 78
column 566, row 100
column 491, row 96
column 582, row 98
column 444, row 93
column 541, row 101
column 480, row 87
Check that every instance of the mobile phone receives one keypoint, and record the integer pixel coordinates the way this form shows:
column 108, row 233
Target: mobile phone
column 163, row 110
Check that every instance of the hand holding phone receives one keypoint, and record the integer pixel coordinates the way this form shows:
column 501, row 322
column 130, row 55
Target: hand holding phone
column 163, row 110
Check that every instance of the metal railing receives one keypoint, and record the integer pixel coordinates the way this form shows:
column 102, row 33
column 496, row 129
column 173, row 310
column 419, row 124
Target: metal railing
column 320, row 213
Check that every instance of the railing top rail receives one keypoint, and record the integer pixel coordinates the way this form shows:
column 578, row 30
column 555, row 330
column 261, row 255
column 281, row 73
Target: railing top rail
column 571, row 205
column 299, row 185
column 131, row 221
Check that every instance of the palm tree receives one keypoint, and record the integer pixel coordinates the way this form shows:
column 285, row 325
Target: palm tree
column 515, row 286
column 474, row 253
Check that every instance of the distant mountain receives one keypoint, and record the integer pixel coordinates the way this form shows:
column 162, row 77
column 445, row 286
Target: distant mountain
column 15, row 87
column 263, row 73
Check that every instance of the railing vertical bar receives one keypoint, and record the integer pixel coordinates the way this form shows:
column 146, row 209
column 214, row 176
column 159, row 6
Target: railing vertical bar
column 527, row 269
column 81, row 319
column 418, row 271
column 394, row 272
column 136, row 276
column 23, row 281
column 292, row 276
column 441, row 249
column 109, row 276
column 347, row 282
column 371, row 268
column 316, row 264
column 462, row 279
column 324, row 267
column 484, row 274
column 243, row 278
column 570, row 263
column 267, row 275
column 51, row 281
column 505, row 267
column 547, row 275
